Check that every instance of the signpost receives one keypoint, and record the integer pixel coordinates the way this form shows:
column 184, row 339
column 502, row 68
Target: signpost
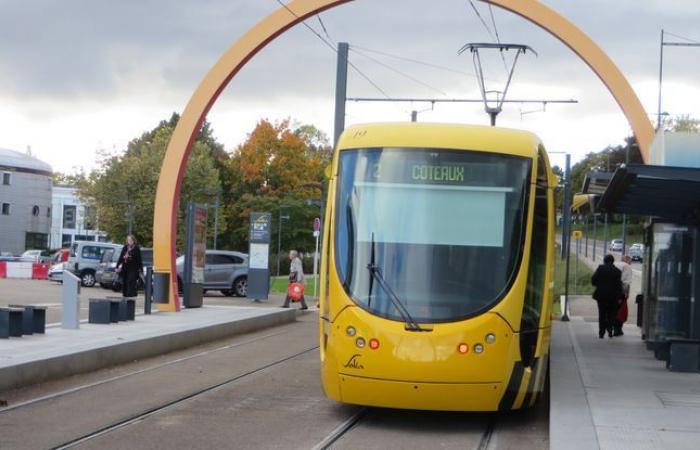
column 317, row 234
column 258, row 255
column 195, row 252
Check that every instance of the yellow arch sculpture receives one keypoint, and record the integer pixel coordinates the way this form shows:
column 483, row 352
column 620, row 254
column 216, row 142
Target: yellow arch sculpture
column 172, row 170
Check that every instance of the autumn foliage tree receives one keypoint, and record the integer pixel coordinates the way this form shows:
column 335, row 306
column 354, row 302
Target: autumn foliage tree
column 275, row 169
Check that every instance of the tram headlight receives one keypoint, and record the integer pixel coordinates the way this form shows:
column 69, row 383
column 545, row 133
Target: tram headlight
column 374, row 344
column 490, row 338
column 478, row 348
column 350, row 331
column 463, row 348
column 360, row 342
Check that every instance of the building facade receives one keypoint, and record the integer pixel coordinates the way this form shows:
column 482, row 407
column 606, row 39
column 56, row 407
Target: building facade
column 25, row 202
column 71, row 219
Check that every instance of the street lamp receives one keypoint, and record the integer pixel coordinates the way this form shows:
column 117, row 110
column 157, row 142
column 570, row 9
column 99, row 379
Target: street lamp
column 566, row 231
column 279, row 234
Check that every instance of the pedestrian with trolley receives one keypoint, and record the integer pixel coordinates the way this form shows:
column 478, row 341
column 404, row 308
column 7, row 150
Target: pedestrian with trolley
column 626, row 278
column 130, row 267
column 607, row 280
column 295, row 290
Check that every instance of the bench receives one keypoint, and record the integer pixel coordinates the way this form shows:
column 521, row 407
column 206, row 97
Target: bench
column 11, row 322
column 103, row 311
column 33, row 318
column 127, row 307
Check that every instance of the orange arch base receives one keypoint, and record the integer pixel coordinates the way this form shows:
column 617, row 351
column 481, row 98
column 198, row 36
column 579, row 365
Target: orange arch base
column 218, row 77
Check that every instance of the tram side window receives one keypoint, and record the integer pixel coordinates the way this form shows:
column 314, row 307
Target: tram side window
column 538, row 254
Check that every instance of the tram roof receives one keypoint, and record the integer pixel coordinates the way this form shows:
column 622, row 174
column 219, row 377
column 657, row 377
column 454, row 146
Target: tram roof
column 441, row 135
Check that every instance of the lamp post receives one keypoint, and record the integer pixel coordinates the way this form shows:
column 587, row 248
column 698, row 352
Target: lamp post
column 279, row 234
column 566, row 231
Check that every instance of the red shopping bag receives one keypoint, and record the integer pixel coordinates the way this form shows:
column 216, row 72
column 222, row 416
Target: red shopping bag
column 295, row 291
column 622, row 312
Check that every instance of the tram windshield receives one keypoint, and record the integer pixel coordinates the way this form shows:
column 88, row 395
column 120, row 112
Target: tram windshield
column 444, row 228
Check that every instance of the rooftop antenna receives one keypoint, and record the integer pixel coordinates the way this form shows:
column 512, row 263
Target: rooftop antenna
column 493, row 99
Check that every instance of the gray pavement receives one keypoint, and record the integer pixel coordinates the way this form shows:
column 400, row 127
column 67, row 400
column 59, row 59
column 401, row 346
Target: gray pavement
column 613, row 394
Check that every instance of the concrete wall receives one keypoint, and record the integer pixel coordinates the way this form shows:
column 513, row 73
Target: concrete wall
column 25, row 191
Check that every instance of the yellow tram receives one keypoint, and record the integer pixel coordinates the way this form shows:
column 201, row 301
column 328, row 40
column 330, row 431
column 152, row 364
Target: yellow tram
column 437, row 268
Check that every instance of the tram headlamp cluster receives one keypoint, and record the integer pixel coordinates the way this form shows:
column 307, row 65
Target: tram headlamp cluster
column 478, row 348
column 350, row 331
column 490, row 338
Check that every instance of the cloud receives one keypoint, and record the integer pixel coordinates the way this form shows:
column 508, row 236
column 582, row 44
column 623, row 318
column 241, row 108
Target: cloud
column 91, row 58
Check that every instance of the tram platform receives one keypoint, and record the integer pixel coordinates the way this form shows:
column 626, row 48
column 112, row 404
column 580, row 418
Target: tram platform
column 612, row 393
column 60, row 353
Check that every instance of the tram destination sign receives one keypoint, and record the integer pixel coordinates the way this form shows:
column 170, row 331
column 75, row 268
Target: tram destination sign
column 445, row 173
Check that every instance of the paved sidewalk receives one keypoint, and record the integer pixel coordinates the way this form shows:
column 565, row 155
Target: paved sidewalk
column 613, row 394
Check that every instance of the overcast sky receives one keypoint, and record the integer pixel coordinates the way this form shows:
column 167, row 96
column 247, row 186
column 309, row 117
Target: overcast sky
column 77, row 76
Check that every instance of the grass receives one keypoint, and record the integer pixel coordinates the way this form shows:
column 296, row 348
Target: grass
column 635, row 232
column 582, row 276
column 279, row 285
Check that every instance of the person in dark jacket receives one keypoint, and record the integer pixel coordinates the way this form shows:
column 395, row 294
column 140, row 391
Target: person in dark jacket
column 130, row 266
column 607, row 280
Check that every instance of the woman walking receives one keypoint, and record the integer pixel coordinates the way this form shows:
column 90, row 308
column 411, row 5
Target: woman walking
column 129, row 267
column 296, row 275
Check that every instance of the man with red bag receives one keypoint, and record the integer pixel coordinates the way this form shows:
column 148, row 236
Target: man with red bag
column 295, row 291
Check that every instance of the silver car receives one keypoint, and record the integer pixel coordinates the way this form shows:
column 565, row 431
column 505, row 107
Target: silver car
column 615, row 245
column 224, row 271
column 636, row 252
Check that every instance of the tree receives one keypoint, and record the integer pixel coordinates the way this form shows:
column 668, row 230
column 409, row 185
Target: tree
column 683, row 124
column 275, row 166
column 124, row 187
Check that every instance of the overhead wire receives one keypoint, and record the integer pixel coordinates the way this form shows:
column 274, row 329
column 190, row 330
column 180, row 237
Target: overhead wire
column 483, row 22
column 498, row 38
column 415, row 61
column 335, row 50
column 323, row 27
column 682, row 37
column 395, row 70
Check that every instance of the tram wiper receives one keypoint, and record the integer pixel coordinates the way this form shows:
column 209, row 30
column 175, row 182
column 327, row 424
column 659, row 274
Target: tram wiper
column 411, row 324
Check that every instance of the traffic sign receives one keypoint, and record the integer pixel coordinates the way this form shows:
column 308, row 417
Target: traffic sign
column 577, row 234
column 317, row 224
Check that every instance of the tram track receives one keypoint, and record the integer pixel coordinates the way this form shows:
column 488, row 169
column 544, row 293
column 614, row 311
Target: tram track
column 136, row 418
column 145, row 370
column 481, row 440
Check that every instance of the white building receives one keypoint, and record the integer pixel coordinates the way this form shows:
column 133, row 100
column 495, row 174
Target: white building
column 25, row 202
column 71, row 220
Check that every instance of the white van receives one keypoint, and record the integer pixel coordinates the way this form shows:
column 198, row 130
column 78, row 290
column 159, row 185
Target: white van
column 85, row 257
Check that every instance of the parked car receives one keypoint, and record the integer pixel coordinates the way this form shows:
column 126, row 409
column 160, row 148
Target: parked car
column 56, row 272
column 60, row 256
column 636, row 252
column 85, row 259
column 106, row 272
column 224, row 271
column 35, row 256
column 615, row 245
column 7, row 256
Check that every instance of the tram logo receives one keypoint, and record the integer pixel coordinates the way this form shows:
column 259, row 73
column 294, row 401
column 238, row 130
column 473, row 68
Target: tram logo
column 354, row 363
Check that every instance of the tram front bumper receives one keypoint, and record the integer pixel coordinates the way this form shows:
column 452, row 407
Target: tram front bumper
column 423, row 396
